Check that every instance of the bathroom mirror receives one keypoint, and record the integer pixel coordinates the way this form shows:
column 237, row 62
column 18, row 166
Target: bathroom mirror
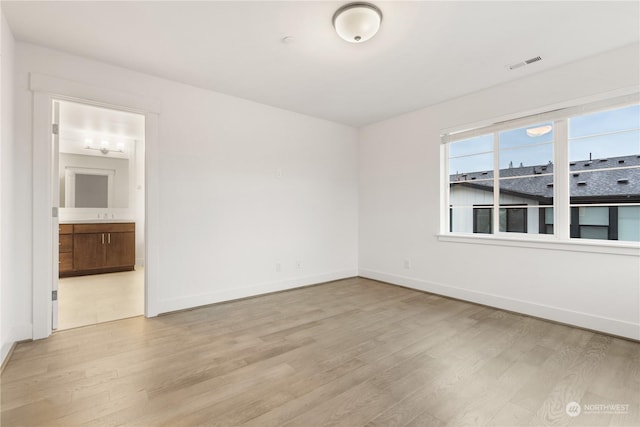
column 88, row 181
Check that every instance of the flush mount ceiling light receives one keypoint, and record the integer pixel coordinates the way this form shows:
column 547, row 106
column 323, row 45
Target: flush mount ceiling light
column 357, row 22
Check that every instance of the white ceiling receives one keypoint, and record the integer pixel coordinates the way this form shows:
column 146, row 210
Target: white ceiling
column 426, row 52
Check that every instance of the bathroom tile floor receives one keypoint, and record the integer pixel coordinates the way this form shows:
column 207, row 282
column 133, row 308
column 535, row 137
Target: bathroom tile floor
column 88, row 300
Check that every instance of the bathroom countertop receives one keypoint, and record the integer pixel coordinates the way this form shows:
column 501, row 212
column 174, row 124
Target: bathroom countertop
column 95, row 221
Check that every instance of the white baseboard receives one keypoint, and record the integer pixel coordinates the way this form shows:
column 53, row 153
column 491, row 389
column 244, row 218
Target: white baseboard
column 585, row 320
column 17, row 333
column 169, row 305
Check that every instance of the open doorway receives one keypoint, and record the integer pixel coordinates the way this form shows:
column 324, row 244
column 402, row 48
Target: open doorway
column 98, row 173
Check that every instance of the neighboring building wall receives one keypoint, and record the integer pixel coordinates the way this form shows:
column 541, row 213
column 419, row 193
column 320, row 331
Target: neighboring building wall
column 629, row 223
column 462, row 218
column 400, row 209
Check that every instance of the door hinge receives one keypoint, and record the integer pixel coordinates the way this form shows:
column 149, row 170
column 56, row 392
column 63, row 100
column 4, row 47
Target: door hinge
column 55, row 128
column 54, row 295
column 54, row 212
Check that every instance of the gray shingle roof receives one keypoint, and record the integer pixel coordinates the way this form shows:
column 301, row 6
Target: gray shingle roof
column 590, row 180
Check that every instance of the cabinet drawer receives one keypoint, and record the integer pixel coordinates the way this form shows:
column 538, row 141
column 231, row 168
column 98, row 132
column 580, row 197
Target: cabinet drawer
column 65, row 228
column 65, row 263
column 66, row 243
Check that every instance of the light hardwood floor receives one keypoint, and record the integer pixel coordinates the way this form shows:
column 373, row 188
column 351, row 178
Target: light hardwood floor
column 353, row 352
column 97, row 298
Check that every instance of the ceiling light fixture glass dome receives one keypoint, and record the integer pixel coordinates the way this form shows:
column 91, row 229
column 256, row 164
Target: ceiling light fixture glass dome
column 357, row 22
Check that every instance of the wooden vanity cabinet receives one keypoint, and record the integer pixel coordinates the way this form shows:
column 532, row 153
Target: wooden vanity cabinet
column 102, row 248
column 65, row 249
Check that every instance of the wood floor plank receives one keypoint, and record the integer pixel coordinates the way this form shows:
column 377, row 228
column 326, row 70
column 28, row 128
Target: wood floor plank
column 348, row 353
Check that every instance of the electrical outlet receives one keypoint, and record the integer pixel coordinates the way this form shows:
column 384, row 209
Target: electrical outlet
column 278, row 267
column 279, row 173
column 298, row 265
column 407, row 264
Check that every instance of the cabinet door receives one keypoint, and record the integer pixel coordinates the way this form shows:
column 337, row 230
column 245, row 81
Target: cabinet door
column 89, row 251
column 65, row 262
column 121, row 249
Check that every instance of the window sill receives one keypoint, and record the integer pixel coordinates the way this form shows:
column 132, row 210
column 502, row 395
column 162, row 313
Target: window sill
column 615, row 248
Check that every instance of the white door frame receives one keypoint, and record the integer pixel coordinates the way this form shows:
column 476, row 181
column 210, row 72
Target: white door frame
column 45, row 90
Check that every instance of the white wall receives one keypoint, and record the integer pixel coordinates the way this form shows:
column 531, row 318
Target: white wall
column 399, row 193
column 226, row 217
column 14, row 193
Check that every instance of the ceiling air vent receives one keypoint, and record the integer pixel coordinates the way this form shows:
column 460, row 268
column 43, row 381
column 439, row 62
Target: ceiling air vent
column 523, row 63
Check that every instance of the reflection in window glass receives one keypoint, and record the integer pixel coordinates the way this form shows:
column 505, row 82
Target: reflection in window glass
column 535, row 134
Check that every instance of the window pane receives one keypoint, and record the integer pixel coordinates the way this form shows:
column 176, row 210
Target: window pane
column 529, row 135
column 537, row 155
column 461, row 219
column 463, row 196
column 545, row 220
column 605, row 122
column 471, row 164
column 483, row 220
column 548, row 216
column 594, row 215
column 465, row 147
column 521, row 200
column 513, row 219
column 605, row 146
column 629, row 223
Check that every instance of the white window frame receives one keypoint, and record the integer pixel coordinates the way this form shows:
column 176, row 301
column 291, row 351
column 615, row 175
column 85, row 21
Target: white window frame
column 560, row 239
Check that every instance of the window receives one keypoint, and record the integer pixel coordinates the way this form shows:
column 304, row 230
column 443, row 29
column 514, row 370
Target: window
column 482, row 220
column 604, row 164
column 508, row 175
column 519, row 162
column 513, row 220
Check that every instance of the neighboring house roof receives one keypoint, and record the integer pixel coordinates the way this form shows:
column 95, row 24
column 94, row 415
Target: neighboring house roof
column 612, row 179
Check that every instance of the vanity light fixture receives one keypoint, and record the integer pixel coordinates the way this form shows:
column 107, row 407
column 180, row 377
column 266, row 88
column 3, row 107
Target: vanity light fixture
column 357, row 22
column 105, row 147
